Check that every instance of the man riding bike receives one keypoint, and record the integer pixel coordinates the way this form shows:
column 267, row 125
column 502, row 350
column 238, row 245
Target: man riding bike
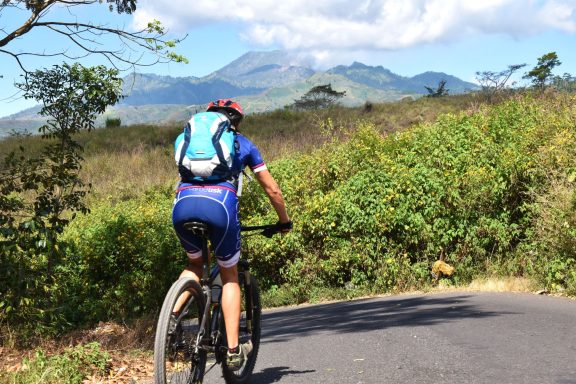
column 216, row 203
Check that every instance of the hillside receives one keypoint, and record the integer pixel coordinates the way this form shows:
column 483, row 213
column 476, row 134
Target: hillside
column 263, row 81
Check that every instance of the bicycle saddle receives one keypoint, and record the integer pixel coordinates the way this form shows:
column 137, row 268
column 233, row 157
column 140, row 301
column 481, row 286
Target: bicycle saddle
column 196, row 227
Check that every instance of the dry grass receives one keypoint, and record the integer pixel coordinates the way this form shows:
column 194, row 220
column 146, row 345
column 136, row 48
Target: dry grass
column 121, row 163
column 495, row 284
column 124, row 175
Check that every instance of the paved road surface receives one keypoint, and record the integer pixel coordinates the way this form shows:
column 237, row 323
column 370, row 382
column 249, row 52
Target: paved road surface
column 459, row 338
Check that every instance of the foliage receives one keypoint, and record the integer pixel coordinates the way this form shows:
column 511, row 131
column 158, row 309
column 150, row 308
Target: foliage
column 40, row 195
column 439, row 91
column 376, row 212
column 490, row 190
column 84, row 36
column 125, row 257
column 113, row 122
column 72, row 366
column 494, row 82
column 553, row 238
column 566, row 82
column 541, row 74
column 318, row 97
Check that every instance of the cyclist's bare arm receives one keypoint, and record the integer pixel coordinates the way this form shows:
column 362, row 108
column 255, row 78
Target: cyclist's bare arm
column 274, row 194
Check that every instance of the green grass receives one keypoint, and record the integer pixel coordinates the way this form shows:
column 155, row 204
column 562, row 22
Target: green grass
column 72, row 366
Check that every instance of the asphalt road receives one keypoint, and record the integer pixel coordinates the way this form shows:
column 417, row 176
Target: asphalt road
column 436, row 338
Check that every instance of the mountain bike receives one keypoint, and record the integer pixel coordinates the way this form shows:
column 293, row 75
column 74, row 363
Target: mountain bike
column 185, row 342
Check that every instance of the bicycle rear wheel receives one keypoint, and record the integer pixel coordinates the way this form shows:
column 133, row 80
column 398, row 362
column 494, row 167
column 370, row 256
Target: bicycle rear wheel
column 176, row 359
column 249, row 331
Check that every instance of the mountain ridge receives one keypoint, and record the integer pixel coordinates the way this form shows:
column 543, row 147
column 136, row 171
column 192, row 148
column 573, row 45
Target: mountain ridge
column 262, row 81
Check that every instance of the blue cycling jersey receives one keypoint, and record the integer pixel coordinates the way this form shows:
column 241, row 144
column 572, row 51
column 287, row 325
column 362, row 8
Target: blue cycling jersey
column 216, row 203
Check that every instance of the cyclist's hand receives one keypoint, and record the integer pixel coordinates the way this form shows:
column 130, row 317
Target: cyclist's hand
column 284, row 228
column 278, row 228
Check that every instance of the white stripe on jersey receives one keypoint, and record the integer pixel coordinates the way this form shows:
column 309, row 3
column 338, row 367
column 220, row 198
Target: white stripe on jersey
column 261, row 168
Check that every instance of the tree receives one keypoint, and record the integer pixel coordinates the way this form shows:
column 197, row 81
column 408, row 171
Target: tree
column 541, row 74
column 319, row 97
column 85, row 36
column 39, row 196
column 439, row 91
column 566, row 82
column 494, row 82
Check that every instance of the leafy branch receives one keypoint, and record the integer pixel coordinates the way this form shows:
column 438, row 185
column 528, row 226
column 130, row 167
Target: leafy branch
column 86, row 37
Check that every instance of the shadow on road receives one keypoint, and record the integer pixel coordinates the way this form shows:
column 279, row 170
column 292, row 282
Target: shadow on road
column 275, row 374
column 368, row 315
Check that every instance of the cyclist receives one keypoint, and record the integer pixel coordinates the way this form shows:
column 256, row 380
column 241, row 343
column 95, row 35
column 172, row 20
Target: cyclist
column 216, row 203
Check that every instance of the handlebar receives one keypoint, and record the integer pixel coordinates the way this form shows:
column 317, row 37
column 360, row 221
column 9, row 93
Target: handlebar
column 268, row 230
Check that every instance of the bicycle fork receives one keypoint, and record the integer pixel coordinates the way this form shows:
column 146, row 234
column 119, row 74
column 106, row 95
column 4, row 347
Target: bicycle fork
column 248, row 293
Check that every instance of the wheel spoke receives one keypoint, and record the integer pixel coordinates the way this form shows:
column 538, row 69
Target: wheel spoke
column 175, row 359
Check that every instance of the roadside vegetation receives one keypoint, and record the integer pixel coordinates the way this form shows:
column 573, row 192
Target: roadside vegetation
column 487, row 188
column 485, row 182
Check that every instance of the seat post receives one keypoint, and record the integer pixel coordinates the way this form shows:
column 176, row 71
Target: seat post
column 205, row 260
column 201, row 229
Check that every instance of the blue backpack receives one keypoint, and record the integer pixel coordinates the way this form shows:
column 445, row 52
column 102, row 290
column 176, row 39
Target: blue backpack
column 206, row 148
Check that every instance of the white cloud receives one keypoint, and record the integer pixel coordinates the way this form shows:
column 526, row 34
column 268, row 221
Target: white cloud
column 328, row 25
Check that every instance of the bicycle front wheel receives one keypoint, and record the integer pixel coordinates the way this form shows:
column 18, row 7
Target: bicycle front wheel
column 176, row 356
column 250, row 320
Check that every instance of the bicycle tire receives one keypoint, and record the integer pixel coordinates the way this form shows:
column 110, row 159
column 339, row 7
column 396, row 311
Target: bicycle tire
column 242, row 376
column 174, row 357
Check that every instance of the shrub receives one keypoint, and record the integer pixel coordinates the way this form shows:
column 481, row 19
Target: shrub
column 126, row 257
column 377, row 211
column 113, row 122
column 491, row 191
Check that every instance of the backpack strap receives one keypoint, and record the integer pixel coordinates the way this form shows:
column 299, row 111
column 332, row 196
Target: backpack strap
column 222, row 127
column 187, row 133
column 185, row 174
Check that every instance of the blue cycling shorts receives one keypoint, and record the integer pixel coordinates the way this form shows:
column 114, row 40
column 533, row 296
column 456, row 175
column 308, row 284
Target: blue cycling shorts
column 218, row 207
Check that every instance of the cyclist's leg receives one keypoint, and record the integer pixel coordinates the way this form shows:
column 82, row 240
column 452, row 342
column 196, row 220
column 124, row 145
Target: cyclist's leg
column 193, row 270
column 189, row 205
column 231, row 303
column 194, row 267
column 227, row 250
column 218, row 208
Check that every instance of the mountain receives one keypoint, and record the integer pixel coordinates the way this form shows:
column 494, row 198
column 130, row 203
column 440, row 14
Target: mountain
column 250, row 74
column 374, row 77
column 453, row 84
column 260, row 81
column 264, row 70
column 380, row 78
column 356, row 93
column 179, row 90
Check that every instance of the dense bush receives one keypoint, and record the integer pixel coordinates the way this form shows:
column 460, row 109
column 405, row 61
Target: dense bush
column 378, row 211
column 374, row 212
column 125, row 255
column 113, row 122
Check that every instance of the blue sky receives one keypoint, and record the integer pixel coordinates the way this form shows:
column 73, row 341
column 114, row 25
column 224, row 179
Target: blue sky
column 458, row 37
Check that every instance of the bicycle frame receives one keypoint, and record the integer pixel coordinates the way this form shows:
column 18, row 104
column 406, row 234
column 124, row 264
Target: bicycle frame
column 210, row 320
column 208, row 334
column 211, row 316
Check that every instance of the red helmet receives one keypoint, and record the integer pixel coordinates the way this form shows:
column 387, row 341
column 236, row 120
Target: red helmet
column 233, row 109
